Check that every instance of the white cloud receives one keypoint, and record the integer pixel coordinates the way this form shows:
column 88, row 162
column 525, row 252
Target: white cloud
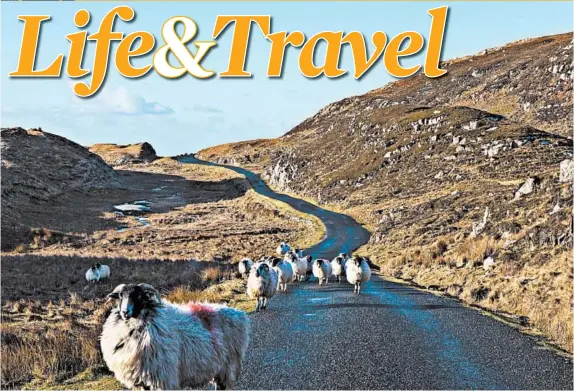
column 121, row 101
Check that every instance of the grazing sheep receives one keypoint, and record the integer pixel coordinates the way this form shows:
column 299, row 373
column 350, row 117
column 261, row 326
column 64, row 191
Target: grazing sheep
column 338, row 266
column 299, row 265
column 358, row 271
column 284, row 272
column 262, row 284
column 244, row 267
column 283, row 249
column 154, row 344
column 322, row 270
column 309, row 273
column 98, row 272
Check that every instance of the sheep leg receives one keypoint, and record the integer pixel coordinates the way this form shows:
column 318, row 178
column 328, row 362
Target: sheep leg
column 220, row 384
column 258, row 305
column 359, row 291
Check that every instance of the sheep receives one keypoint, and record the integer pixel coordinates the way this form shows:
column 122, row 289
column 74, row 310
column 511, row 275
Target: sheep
column 154, row 344
column 338, row 266
column 284, row 272
column 262, row 284
column 244, row 267
column 322, row 270
column 309, row 272
column 98, row 272
column 283, row 249
column 358, row 271
column 299, row 265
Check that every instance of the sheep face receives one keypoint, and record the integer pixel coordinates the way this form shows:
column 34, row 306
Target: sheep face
column 275, row 261
column 135, row 301
column 309, row 258
column 262, row 270
column 357, row 261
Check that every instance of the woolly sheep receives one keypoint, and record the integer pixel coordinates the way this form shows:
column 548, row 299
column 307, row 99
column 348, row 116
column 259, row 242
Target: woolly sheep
column 358, row 271
column 338, row 266
column 322, row 270
column 309, row 273
column 244, row 267
column 98, row 272
column 283, row 249
column 284, row 272
column 262, row 284
column 154, row 344
column 299, row 265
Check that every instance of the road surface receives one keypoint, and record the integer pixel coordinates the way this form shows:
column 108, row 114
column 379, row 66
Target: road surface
column 390, row 337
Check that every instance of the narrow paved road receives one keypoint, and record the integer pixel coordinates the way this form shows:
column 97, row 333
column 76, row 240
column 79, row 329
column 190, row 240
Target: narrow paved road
column 390, row 337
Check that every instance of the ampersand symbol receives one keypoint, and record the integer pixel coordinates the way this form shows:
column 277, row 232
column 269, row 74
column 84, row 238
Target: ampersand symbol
column 176, row 44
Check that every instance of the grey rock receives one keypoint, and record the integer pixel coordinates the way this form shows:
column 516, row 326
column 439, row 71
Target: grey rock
column 567, row 171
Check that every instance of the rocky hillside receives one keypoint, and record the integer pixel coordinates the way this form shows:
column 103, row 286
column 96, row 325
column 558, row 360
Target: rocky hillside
column 38, row 166
column 116, row 155
column 465, row 181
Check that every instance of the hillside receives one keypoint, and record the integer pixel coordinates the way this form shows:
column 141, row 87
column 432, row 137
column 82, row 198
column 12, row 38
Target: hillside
column 115, row 154
column 38, row 167
column 465, row 181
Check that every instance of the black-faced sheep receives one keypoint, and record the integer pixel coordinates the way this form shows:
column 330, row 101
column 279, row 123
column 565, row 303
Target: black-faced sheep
column 284, row 272
column 358, row 271
column 98, row 272
column 282, row 249
column 322, row 270
column 262, row 284
column 309, row 273
column 153, row 344
column 245, row 266
column 338, row 266
column 299, row 265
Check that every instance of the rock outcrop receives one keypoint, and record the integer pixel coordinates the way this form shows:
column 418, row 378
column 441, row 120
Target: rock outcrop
column 117, row 155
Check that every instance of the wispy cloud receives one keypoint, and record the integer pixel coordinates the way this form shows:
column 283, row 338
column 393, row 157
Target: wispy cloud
column 122, row 101
column 207, row 109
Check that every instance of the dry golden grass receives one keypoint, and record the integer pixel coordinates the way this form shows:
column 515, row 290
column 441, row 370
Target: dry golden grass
column 51, row 321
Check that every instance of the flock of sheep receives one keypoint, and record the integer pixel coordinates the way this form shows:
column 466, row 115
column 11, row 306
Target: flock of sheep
column 271, row 274
column 151, row 343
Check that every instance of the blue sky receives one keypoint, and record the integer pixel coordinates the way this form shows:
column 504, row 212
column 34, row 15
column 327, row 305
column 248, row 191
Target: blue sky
column 187, row 114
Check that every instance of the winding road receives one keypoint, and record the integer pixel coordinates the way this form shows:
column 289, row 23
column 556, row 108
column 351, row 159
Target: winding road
column 390, row 337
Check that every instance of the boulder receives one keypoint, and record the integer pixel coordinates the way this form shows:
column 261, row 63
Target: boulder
column 567, row 171
column 527, row 187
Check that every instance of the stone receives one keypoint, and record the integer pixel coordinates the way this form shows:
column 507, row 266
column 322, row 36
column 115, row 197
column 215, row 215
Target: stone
column 567, row 171
column 527, row 187
column 488, row 263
